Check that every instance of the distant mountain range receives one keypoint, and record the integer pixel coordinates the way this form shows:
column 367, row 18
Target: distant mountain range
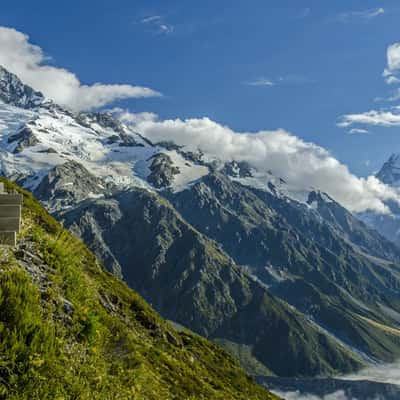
column 292, row 284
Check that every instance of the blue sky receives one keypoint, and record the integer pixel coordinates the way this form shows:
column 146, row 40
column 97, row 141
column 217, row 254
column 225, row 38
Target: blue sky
column 252, row 65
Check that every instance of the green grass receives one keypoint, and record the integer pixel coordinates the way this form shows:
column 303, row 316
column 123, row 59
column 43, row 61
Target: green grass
column 110, row 344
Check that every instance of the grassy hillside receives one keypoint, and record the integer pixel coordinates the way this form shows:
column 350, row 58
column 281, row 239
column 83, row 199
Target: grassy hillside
column 70, row 330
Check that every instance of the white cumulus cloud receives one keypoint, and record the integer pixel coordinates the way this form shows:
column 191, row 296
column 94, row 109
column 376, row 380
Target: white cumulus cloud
column 303, row 165
column 30, row 64
column 393, row 60
column 382, row 117
column 373, row 117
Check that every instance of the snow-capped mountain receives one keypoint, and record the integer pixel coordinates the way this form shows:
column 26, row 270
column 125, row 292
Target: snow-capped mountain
column 387, row 225
column 390, row 172
column 37, row 137
column 245, row 251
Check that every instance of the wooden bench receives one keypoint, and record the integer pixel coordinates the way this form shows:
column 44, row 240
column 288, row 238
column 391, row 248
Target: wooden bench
column 10, row 216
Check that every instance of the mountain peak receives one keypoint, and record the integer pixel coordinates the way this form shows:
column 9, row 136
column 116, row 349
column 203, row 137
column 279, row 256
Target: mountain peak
column 14, row 92
column 390, row 172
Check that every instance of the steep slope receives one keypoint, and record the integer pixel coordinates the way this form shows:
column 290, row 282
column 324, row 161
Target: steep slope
column 319, row 258
column 340, row 278
column 71, row 330
column 190, row 280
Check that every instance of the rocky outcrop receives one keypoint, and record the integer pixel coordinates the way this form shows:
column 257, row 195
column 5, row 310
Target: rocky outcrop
column 24, row 138
column 237, row 169
column 162, row 171
column 14, row 92
column 68, row 184
column 390, row 171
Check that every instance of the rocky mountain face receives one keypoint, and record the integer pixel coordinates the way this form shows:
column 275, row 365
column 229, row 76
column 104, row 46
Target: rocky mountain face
column 293, row 286
column 319, row 259
column 190, row 280
column 15, row 93
column 389, row 224
column 390, row 172
column 70, row 329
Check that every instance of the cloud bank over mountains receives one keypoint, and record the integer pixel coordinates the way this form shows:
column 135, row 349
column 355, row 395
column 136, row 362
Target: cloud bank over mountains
column 29, row 62
column 303, row 165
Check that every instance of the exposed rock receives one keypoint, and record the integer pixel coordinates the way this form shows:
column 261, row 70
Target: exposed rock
column 104, row 119
column 25, row 138
column 129, row 141
column 14, row 92
column 390, row 172
column 49, row 150
column 162, row 171
column 70, row 183
column 113, row 139
column 237, row 169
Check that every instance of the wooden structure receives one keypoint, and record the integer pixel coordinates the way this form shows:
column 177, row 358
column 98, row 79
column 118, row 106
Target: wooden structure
column 10, row 216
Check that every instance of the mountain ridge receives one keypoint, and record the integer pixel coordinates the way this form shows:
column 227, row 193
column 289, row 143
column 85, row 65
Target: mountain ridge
column 217, row 234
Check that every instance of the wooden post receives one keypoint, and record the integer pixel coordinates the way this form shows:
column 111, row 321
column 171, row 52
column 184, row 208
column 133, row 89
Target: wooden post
column 10, row 217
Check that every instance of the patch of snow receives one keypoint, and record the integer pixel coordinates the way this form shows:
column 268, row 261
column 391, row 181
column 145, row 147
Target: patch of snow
column 189, row 173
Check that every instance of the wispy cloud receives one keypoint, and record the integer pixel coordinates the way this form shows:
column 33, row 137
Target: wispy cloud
column 260, row 82
column 358, row 131
column 365, row 15
column 157, row 24
column 280, row 81
column 152, row 18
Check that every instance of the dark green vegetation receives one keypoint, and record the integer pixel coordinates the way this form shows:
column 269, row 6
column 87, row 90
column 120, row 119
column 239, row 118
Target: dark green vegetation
column 70, row 330
column 190, row 280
